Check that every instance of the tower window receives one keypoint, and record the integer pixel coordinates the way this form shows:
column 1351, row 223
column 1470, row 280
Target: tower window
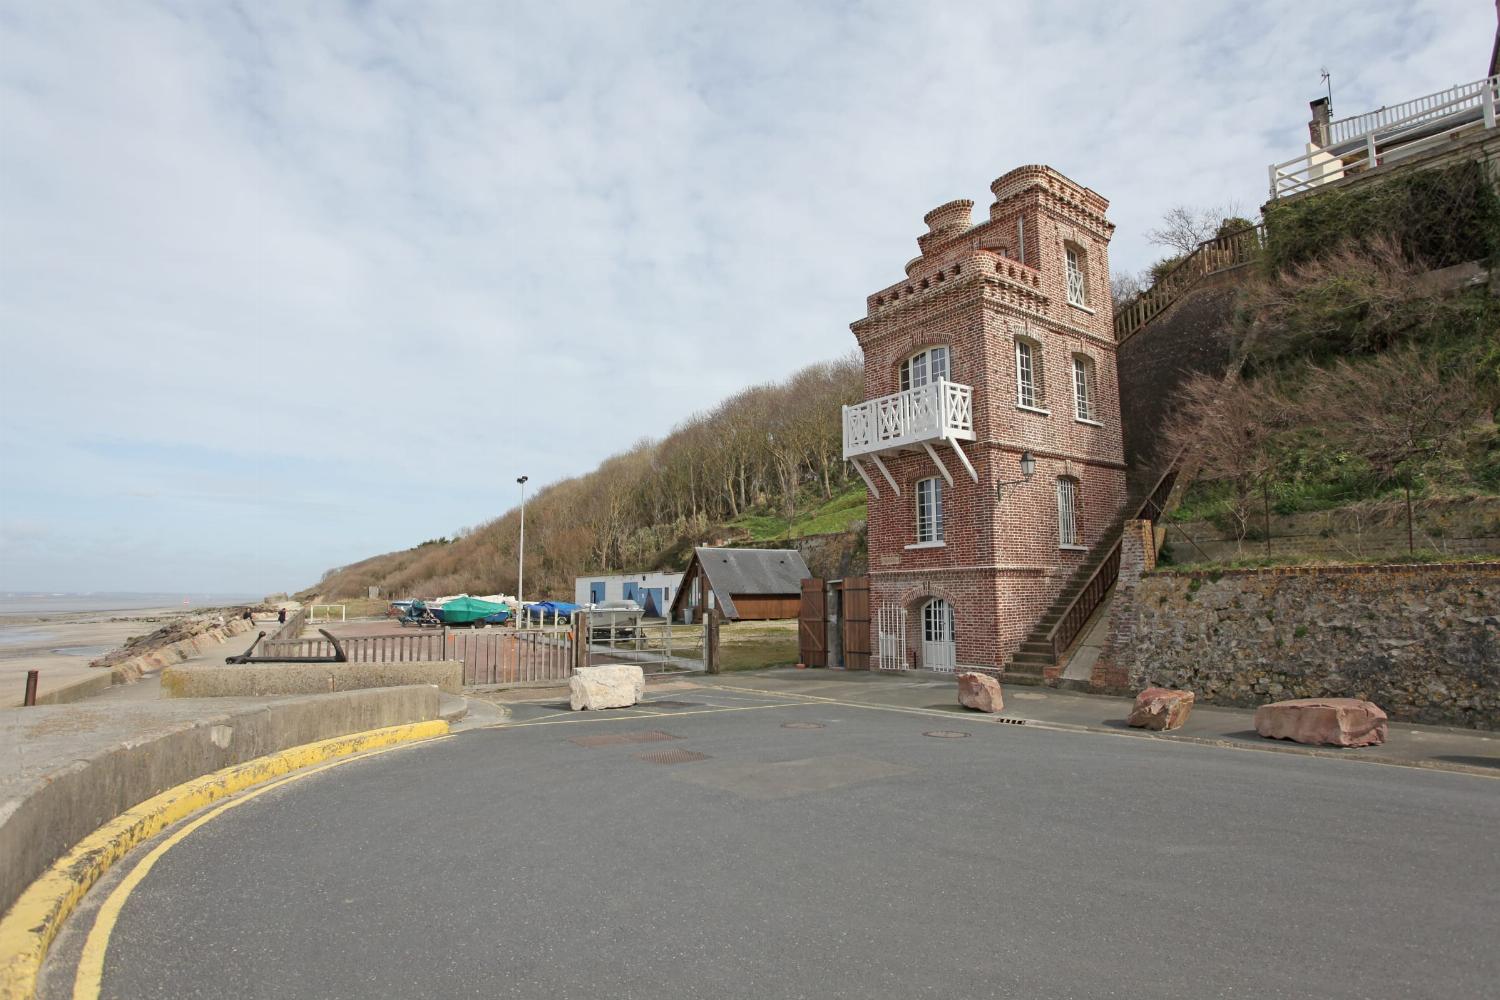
column 1077, row 281
column 929, row 510
column 1067, row 513
column 1029, row 388
column 1083, row 388
column 925, row 366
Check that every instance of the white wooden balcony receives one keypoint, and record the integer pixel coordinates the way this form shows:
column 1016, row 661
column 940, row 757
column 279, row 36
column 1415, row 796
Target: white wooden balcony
column 940, row 412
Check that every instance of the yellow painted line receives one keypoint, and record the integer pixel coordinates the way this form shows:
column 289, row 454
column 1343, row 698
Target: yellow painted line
column 28, row 929
column 90, row 977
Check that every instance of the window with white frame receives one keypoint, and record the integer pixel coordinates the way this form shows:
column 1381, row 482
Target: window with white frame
column 929, row 511
column 1077, row 282
column 927, row 365
column 1083, row 388
column 1029, row 374
column 1067, row 513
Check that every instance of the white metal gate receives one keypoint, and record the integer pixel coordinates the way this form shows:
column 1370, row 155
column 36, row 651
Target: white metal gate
column 890, row 626
column 939, row 651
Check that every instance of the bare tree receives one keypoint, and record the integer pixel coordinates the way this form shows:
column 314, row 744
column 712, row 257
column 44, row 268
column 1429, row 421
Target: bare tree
column 1399, row 410
column 1225, row 430
column 1184, row 227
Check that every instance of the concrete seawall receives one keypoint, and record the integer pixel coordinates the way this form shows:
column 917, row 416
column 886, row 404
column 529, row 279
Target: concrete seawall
column 175, row 652
column 259, row 679
column 77, row 766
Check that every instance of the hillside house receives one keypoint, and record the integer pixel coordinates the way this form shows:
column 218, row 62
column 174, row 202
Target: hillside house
column 990, row 439
column 744, row 584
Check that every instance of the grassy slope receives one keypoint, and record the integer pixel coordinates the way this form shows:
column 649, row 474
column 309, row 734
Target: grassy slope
column 841, row 513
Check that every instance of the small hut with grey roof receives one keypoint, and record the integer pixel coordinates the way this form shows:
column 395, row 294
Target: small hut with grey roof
column 744, row 584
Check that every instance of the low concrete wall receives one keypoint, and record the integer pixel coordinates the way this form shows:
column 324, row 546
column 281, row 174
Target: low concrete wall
column 1422, row 642
column 97, row 765
column 255, row 679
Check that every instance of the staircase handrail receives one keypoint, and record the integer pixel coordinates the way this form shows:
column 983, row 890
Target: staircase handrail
column 1223, row 252
column 1091, row 594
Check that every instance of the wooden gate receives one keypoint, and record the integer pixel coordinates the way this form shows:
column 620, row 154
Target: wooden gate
column 856, row 623
column 812, row 624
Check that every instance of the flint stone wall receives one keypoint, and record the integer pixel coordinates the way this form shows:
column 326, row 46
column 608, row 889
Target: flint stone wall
column 1422, row 642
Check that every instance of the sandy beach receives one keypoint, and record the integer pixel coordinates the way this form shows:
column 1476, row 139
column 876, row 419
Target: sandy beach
column 62, row 644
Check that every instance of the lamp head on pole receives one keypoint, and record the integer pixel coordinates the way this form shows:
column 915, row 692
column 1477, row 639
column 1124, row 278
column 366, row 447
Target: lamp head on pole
column 1028, row 466
column 522, row 479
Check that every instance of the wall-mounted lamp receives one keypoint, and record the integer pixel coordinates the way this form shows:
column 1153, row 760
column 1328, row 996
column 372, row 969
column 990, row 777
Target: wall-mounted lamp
column 1028, row 466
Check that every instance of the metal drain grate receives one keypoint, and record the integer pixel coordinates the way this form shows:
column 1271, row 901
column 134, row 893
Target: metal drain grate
column 1009, row 722
column 802, row 725
column 673, row 756
column 946, row 734
column 616, row 739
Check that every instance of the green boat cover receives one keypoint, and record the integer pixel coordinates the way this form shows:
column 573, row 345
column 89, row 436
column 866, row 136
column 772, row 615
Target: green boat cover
column 465, row 610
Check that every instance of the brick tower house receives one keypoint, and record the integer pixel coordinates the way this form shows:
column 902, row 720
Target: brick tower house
column 997, row 347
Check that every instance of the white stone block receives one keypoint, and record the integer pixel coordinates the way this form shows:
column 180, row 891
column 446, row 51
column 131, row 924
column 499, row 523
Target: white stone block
column 617, row 685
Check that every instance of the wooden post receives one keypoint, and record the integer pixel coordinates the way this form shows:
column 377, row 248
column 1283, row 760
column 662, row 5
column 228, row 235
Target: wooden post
column 581, row 638
column 711, row 641
column 31, row 678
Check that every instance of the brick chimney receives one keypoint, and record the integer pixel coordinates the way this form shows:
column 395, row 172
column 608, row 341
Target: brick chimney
column 1317, row 128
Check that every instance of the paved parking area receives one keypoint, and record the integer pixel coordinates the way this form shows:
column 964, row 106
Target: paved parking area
column 730, row 843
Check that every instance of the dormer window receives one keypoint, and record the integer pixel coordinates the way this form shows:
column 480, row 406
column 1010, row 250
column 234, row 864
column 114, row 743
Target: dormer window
column 927, row 365
column 1078, row 288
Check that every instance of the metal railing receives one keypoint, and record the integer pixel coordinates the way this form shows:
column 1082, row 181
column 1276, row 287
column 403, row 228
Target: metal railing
column 931, row 412
column 1210, row 257
column 1361, row 142
column 655, row 646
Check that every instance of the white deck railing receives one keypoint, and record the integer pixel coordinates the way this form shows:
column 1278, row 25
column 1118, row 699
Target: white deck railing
column 1360, row 142
column 932, row 412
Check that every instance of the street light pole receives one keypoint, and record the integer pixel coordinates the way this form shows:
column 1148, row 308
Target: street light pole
column 521, row 556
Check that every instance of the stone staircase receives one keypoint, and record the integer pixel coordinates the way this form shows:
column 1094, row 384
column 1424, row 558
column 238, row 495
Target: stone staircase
column 1036, row 654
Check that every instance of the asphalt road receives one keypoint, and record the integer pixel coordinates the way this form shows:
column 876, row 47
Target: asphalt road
column 861, row 859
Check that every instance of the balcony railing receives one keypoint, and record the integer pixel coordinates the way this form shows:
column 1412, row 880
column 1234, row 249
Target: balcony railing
column 928, row 413
column 1361, row 142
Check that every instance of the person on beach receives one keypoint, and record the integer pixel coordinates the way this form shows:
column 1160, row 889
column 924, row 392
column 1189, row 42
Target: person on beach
column 281, row 616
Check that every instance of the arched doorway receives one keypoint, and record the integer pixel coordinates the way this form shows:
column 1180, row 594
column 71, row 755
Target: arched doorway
column 939, row 652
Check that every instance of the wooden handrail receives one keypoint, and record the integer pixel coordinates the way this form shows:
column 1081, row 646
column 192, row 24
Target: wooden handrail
column 1091, row 595
column 1210, row 257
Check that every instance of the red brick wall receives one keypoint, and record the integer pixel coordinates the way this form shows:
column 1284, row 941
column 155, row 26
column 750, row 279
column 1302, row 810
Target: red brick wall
column 1000, row 565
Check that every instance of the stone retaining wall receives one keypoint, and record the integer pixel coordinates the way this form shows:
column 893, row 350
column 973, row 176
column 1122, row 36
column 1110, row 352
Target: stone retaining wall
column 1422, row 642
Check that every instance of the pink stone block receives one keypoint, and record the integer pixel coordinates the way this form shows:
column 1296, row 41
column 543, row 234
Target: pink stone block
column 1161, row 708
column 1338, row 722
column 980, row 691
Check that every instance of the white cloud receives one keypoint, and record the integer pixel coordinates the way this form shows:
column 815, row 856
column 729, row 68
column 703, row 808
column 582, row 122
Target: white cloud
column 283, row 249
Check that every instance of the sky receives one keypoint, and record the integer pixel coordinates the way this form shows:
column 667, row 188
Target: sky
column 284, row 285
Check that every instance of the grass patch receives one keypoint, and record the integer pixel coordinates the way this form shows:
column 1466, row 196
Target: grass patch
column 819, row 517
column 756, row 645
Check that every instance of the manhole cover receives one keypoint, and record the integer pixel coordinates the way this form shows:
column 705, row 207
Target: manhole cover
column 673, row 756
column 802, row 725
column 946, row 734
column 616, row 739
